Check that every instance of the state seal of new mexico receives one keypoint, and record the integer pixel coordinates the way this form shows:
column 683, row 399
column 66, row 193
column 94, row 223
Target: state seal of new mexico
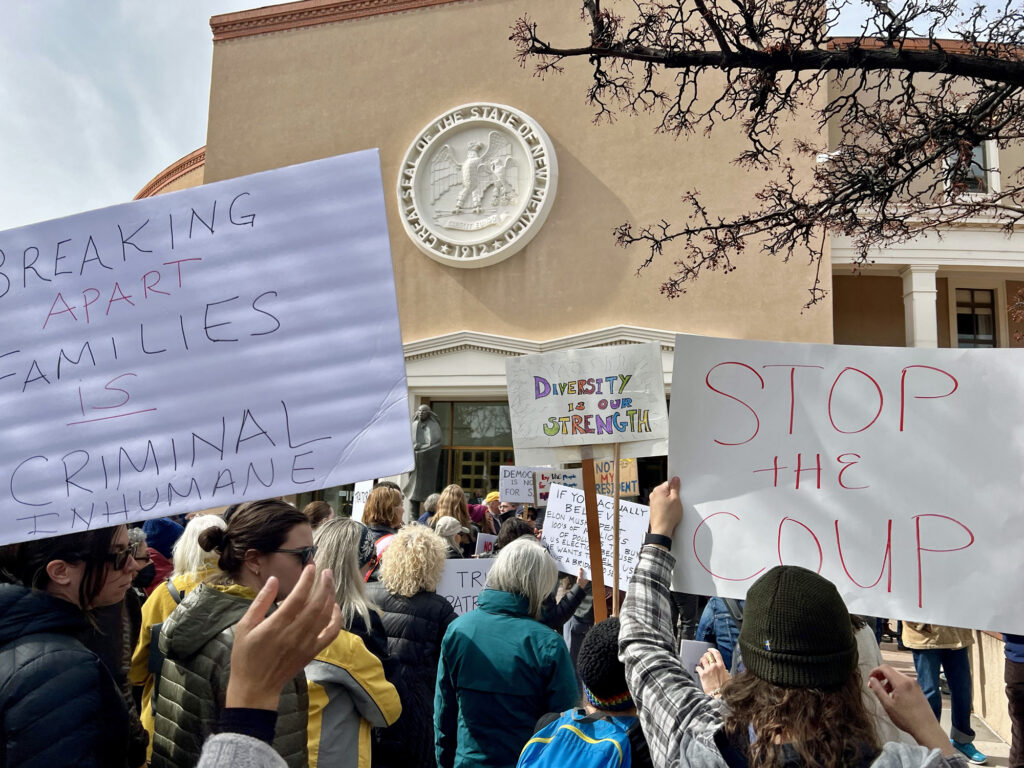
column 477, row 184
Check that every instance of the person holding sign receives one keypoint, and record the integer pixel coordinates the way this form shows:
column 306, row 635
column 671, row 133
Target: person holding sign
column 262, row 539
column 799, row 702
column 60, row 704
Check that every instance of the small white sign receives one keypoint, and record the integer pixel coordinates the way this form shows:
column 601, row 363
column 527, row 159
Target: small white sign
column 575, row 404
column 545, row 477
column 485, row 543
column 893, row 472
column 359, row 496
column 462, row 581
column 515, row 485
column 565, row 533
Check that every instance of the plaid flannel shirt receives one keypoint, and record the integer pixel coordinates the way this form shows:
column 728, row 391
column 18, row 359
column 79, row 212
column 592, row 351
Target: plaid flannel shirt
column 678, row 719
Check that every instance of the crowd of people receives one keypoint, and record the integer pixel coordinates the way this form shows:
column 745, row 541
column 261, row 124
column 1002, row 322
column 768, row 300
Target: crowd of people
column 270, row 636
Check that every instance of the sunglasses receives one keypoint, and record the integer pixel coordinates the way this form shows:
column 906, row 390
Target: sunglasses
column 119, row 558
column 305, row 554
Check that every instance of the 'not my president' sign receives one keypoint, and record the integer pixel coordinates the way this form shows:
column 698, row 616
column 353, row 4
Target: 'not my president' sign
column 895, row 473
column 198, row 349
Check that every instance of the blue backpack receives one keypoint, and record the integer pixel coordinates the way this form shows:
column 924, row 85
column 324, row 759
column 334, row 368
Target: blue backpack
column 577, row 740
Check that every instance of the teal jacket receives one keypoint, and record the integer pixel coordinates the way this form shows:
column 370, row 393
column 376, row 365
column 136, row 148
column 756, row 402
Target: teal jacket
column 500, row 670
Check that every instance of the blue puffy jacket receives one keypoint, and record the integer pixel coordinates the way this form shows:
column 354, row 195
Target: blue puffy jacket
column 58, row 703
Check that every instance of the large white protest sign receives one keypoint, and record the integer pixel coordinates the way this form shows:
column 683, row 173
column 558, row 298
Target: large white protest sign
column 360, row 494
column 896, row 473
column 516, row 485
column 565, row 533
column 545, row 477
column 234, row 341
column 576, row 404
column 462, row 581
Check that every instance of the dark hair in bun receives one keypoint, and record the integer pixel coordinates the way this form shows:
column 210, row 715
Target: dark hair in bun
column 259, row 525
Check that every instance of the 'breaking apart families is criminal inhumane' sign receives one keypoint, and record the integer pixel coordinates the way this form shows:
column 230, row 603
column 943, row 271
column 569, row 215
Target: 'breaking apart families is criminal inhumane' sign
column 200, row 348
column 565, row 532
column 895, row 473
column 576, row 404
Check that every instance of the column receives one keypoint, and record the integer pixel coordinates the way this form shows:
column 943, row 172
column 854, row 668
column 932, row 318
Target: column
column 919, row 305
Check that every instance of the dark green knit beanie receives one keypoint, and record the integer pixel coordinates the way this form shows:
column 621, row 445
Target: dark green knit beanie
column 796, row 630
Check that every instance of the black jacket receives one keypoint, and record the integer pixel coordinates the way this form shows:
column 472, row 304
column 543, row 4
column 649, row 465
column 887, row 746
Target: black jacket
column 415, row 628
column 59, row 703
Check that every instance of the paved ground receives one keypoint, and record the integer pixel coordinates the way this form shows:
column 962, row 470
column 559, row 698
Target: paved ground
column 998, row 751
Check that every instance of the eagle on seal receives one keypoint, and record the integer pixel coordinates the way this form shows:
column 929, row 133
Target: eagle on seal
column 486, row 166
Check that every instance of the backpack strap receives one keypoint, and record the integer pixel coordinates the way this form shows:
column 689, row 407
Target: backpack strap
column 173, row 590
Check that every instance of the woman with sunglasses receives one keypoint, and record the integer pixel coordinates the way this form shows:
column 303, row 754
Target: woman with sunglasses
column 262, row 539
column 61, row 705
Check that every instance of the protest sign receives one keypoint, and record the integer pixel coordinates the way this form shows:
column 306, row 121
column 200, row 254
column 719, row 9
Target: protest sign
column 516, row 485
column 359, row 496
column 574, row 404
column 565, row 532
column 546, row 477
column 462, row 581
column 485, row 543
column 895, row 473
column 198, row 349
column 629, row 482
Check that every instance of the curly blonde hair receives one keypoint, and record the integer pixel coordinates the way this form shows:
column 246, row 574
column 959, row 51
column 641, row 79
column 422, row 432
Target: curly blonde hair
column 413, row 561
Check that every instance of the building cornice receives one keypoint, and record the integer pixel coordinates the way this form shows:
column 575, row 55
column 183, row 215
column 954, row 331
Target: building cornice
column 510, row 346
column 307, row 13
column 171, row 173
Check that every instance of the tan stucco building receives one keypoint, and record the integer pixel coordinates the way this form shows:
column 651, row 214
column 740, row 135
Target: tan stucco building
column 316, row 78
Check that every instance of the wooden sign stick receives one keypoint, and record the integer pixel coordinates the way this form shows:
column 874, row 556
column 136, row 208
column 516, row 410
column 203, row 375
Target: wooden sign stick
column 594, row 541
column 615, row 533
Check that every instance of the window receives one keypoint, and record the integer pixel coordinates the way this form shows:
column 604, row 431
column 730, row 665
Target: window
column 975, row 318
column 981, row 176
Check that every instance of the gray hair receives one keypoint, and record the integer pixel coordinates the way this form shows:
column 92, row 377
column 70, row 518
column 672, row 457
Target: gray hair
column 430, row 503
column 524, row 567
column 337, row 543
column 188, row 556
column 136, row 536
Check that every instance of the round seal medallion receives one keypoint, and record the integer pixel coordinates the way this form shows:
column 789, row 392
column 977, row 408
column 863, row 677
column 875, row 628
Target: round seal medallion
column 477, row 184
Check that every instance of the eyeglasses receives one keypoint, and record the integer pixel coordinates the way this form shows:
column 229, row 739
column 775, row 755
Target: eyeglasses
column 305, row 554
column 119, row 558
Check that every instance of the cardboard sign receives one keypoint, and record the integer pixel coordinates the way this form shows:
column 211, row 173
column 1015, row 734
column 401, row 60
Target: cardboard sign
column 359, row 496
column 629, row 483
column 575, row 404
column 198, row 349
column 463, row 580
column 545, row 477
column 516, row 485
column 895, row 473
column 565, row 533
column 485, row 543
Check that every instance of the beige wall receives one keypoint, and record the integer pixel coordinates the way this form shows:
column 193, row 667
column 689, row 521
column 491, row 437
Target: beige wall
column 868, row 309
column 987, row 663
column 292, row 96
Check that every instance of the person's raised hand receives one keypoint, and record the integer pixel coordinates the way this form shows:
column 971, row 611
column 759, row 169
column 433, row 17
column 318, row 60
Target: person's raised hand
column 581, row 580
column 904, row 702
column 666, row 508
column 712, row 672
column 269, row 651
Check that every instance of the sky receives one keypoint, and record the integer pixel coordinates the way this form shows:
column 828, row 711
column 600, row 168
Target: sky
column 97, row 97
